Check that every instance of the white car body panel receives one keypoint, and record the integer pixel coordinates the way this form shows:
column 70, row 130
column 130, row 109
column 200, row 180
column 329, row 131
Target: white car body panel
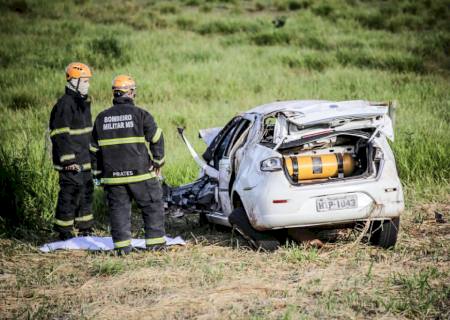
column 378, row 196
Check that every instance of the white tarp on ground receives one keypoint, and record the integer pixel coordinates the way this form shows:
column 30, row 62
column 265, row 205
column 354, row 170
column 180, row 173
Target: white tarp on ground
column 100, row 244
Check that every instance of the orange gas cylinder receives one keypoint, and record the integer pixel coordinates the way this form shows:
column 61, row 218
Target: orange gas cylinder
column 319, row 166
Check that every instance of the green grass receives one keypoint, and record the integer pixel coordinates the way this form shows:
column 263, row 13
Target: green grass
column 301, row 254
column 421, row 292
column 198, row 63
column 111, row 266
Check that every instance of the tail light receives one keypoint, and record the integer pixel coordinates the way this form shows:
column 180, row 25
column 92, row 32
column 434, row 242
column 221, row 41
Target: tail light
column 378, row 154
column 272, row 164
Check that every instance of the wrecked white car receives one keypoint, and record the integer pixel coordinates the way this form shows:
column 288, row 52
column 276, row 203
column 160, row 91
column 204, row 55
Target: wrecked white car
column 299, row 164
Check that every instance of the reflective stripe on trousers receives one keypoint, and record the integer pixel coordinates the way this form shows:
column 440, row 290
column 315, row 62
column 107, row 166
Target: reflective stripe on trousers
column 153, row 241
column 122, row 244
column 63, row 223
column 85, row 218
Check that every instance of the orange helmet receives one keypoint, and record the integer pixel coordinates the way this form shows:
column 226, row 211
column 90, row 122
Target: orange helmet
column 123, row 83
column 76, row 70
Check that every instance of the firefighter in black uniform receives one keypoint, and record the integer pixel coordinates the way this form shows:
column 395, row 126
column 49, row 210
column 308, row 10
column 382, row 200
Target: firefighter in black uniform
column 70, row 131
column 128, row 149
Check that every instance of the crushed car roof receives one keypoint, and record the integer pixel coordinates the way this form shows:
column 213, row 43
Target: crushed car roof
column 312, row 106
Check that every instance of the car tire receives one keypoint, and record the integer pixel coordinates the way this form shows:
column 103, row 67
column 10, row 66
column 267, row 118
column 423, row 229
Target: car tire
column 203, row 220
column 385, row 232
column 259, row 240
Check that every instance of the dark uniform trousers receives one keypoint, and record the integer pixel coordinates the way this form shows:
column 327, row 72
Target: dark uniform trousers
column 74, row 206
column 149, row 198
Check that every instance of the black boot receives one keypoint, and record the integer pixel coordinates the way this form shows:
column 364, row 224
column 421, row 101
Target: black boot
column 123, row 251
column 156, row 247
column 86, row 232
column 65, row 235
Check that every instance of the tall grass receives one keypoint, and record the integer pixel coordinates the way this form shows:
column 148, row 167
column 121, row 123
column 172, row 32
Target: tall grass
column 199, row 63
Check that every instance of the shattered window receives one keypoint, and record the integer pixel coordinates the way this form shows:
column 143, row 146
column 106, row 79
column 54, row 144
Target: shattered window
column 228, row 140
column 269, row 128
column 224, row 143
column 239, row 131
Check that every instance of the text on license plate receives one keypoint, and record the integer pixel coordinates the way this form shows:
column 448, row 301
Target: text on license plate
column 337, row 203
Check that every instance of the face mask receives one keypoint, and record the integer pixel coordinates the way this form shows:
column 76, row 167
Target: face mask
column 83, row 86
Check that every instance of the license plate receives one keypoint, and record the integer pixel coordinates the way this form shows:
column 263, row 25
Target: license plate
column 337, row 203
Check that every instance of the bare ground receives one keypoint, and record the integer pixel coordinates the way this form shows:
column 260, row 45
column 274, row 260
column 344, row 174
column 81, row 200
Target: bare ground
column 216, row 276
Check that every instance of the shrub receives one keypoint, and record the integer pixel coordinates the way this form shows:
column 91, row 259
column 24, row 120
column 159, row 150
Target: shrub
column 259, row 6
column 393, row 61
column 311, row 61
column 192, row 3
column 155, row 21
column 206, row 8
column 316, row 61
column 228, row 27
column 185, row 23
column 107, row 51
column 22, row 100
column 19, row 6
column 27, row 193
column 313, row 42
column 388, row 9
column 297, row 5
column 107, row 46
column 168, row 8
column 372, row 20
column 405, row 22
column 281, row 5
column 323, row 9
column 270, row 38
column 80, row 2
column 435, row 45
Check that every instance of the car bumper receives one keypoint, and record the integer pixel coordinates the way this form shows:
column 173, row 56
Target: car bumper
column 278, row 204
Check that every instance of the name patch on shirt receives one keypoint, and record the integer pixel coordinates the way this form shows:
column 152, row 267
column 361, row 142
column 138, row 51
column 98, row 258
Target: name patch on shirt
column 118, row 122
column 122, row 173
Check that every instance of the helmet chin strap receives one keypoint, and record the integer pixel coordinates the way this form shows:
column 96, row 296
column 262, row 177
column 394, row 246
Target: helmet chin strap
column 76, row 86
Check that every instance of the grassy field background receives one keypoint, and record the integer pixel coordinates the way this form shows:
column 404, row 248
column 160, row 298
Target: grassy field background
column 197, row 63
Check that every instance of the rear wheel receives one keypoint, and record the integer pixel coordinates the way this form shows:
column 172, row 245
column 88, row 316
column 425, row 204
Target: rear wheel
column 384, row 233
column 259, row 240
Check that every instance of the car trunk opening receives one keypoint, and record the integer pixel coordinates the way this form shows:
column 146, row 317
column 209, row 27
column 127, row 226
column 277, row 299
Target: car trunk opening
column 333, row 149
column 329, row 158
